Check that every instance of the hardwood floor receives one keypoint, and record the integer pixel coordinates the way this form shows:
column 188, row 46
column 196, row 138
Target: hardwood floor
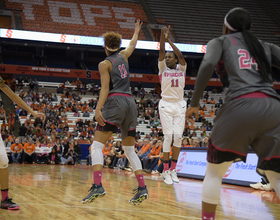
column 55, row 192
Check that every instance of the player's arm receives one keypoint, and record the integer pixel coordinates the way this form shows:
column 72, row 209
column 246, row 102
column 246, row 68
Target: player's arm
column 205, row 72
column 175, row 49
column 162, row 44
column 126, row 53
column 206, row 69
column 103, row 68
column 18, row 100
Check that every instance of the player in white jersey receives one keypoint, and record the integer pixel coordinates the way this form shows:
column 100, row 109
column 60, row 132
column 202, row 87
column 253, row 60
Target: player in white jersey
column 172, row 107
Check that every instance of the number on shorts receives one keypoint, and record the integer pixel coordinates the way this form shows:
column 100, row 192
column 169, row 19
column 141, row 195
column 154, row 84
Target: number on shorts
column 122, row 70
column 245, row 62
column 176, row 84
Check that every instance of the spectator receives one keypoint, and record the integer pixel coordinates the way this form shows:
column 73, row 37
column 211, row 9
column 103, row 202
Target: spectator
column 78, row 151
column 13, row 85
column 58, row 148
column 86, row 114
column 145, row 150
column 29, row 152
column 53, row 157
column 69, row 157
column 16, row 150
column 154, row 154
column 22, row 131
column 204, row 142
column 20, row 82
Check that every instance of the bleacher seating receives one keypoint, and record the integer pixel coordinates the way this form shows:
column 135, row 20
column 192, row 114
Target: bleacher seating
column 200, row 21
column 142, row 126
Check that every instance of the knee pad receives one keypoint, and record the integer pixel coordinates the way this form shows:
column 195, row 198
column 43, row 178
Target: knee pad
column 167, row 143
column 4, row 161
column 177, row 140
column 211, row 187
column 134, row 160
column 96, row 153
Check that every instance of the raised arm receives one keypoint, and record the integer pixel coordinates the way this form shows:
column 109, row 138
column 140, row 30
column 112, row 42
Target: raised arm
column 18, row 100
column 162, row 44
column 175, row 49
column 131, row 47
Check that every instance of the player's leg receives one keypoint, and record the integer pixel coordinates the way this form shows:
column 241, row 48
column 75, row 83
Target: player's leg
column 166, row 119
column 178, row 128
column 6, row 202
column 97, row 190
column 129, row 150
column 211, row 188
column 128, row 131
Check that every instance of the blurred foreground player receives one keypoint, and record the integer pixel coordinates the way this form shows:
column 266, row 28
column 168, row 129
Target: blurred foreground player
column 118, row 110
column 250, row 115
column 6, row 202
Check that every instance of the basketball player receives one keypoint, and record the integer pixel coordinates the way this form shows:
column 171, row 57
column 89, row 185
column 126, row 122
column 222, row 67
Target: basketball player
column 6, row 202
column 172, row 107
column 250, row 116
column 118, row 110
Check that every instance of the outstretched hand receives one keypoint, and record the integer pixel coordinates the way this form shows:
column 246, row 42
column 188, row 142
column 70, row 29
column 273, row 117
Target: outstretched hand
column 138, row 25
column 41, row 116
column 190, row 112
column 166, row 34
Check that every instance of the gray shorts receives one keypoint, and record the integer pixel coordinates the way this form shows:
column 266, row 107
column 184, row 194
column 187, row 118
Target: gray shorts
column 120, row 111
column 245, row 122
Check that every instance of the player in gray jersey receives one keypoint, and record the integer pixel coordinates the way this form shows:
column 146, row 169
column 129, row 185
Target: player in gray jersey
column 118, row 110
column 250, row 116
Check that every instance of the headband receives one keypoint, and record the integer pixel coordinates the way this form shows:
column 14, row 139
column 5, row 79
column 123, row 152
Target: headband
column 228, row 25
column 110, row 49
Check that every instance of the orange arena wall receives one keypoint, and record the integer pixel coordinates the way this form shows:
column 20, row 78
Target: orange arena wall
column 84, row 17
column 93, row 74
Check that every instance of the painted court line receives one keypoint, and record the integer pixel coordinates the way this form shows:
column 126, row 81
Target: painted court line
column 122, row 210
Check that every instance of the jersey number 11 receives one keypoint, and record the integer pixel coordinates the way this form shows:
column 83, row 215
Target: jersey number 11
column 174, row 83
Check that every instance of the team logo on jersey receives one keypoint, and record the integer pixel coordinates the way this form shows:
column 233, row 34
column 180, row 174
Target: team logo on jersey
column 162, row 107
column 181, row 160
column 229, row 170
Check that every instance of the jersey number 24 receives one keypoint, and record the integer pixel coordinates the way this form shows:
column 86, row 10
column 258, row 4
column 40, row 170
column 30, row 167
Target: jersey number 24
column 245, row 61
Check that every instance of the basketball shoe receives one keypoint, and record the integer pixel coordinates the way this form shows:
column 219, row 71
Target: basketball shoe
column 8, row 204
column 174, row 177
column 141, row 194
column 167, row 177
column 95, row 192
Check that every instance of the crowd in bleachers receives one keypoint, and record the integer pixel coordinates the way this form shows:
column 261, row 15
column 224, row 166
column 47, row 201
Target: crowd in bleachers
column 70, row 122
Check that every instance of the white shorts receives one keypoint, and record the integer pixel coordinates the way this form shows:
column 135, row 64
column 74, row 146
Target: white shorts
column 172, row 116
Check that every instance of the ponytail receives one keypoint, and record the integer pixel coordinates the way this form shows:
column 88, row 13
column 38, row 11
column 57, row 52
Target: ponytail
column 257, row 51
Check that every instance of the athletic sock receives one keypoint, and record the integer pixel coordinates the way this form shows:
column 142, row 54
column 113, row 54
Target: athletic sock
column 207, row 215
column 4, row 193
column 97, row 176
column 173, row 165
column 140, row 179
column 165, row 166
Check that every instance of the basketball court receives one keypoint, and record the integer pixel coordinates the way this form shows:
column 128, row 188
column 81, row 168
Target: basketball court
column 55, row 192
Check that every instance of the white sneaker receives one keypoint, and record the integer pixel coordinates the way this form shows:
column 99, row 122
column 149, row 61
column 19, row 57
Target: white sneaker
column 258, row 185
column 167, row 177
column 173, row 175
column 267, row 187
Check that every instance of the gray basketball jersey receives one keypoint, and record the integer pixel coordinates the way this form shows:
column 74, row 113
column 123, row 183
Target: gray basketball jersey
column 119, row 76
column 238, row 70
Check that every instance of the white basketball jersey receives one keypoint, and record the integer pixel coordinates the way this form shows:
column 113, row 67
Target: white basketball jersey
column 172, row 82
